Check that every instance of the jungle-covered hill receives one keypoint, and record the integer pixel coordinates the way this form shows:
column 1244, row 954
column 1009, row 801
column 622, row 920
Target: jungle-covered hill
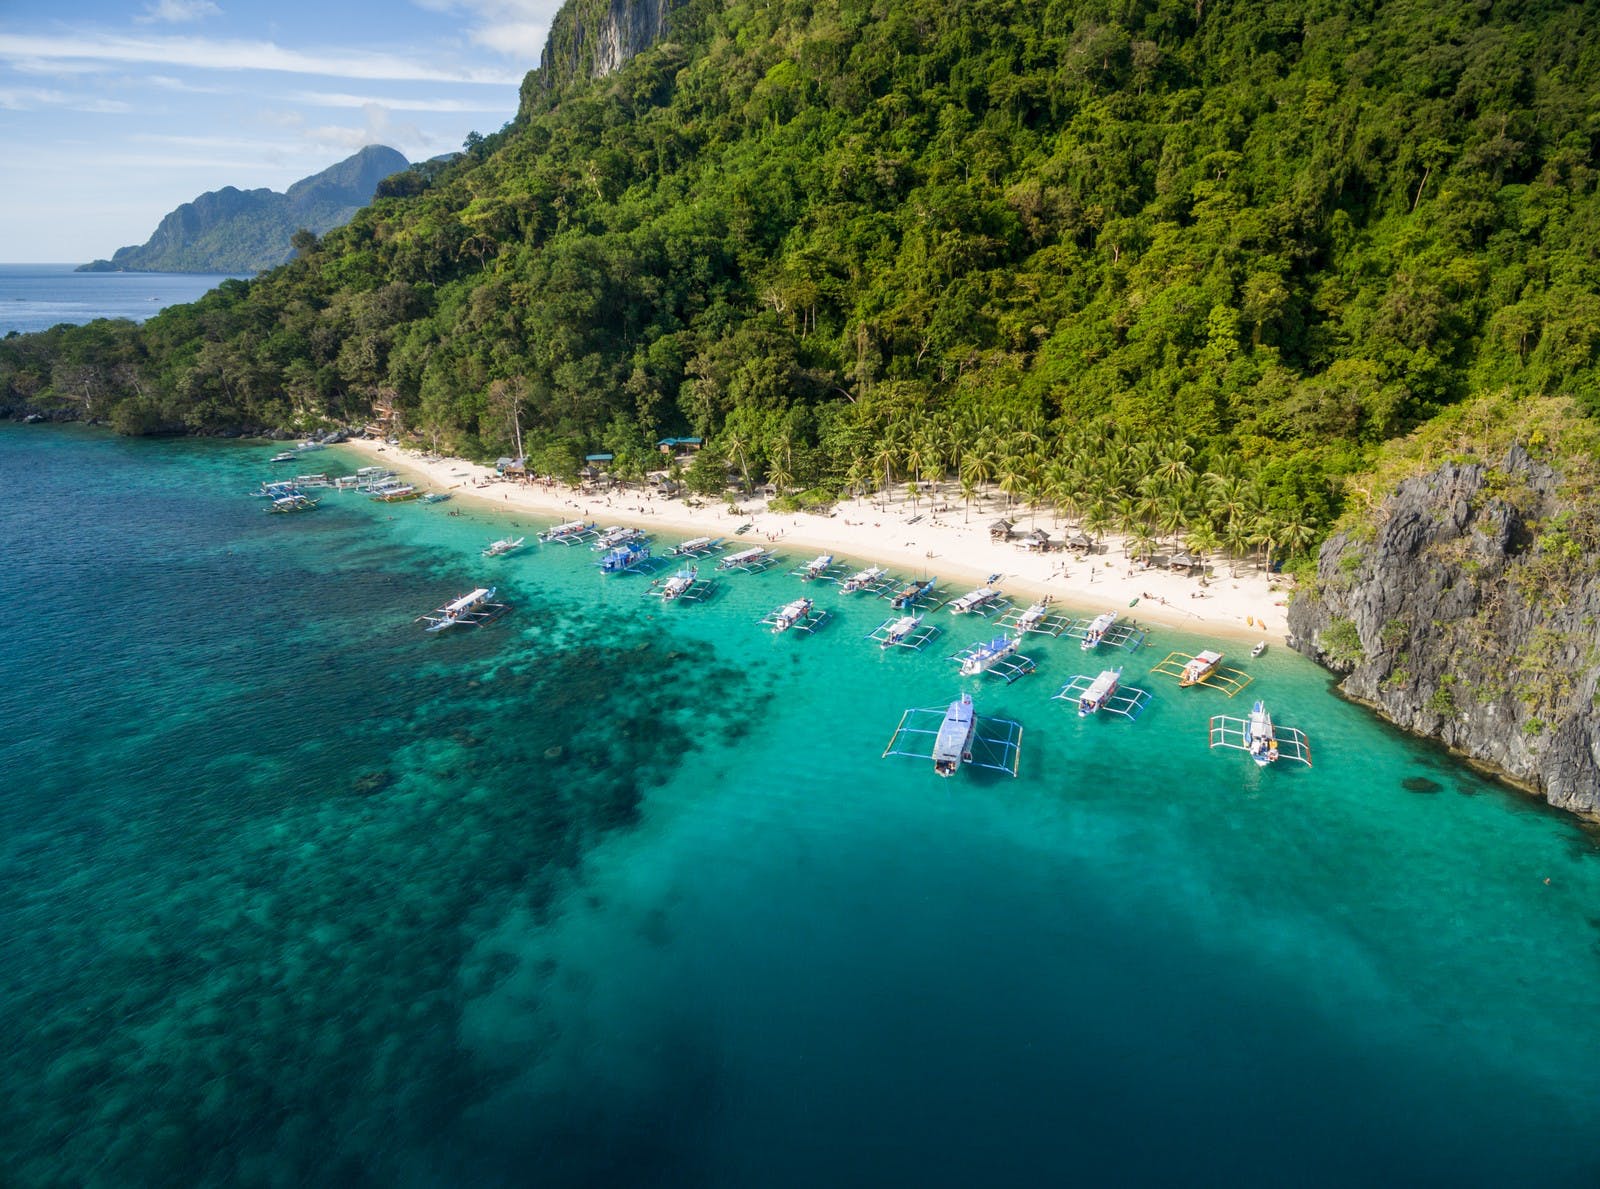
column 1092, row 251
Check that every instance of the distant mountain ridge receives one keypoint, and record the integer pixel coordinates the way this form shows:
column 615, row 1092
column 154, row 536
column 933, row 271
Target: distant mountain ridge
column 243, row 231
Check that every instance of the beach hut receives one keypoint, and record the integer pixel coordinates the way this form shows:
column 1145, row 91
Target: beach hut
column 1000, row 530
column 677, row 446
column 1184, row 561
column 1036, row 541
column 1081, row 543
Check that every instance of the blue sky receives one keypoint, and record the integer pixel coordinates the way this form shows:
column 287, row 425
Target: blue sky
column 112, row 114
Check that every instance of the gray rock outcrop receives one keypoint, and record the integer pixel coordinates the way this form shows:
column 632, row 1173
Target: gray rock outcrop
column 1468, row 610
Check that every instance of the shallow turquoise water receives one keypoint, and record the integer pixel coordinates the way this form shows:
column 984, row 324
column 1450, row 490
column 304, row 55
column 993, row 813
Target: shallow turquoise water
column 617, row 893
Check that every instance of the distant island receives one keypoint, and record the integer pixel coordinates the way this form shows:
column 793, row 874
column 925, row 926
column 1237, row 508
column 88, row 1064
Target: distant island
column 245, row 231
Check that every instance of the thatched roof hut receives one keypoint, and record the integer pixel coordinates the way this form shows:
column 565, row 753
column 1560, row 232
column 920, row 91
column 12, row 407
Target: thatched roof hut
column 1037, row 539
column 1184, row 561
column 1000, row 530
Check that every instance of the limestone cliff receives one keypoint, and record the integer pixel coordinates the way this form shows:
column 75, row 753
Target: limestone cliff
column 592, row 38
column 1466, row 609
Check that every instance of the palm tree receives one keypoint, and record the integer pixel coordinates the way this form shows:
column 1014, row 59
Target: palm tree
column 885, row 459
column 914, row 493
column 1236, row 539
column 1011, row 478
column 975, row 470
column 968, row 490
column 736, row 445
column 1202, row 541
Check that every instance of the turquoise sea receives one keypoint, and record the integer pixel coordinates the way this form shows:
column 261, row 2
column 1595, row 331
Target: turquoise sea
column 39, row 296
column 612, row 893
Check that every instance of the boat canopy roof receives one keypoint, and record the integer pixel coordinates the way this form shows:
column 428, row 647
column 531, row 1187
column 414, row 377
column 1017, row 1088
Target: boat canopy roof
column 468, row 600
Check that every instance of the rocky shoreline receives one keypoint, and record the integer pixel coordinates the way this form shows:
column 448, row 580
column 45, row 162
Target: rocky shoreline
column 1465, row 610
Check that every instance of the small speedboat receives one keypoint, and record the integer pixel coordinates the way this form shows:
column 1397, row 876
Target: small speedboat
column 1259, row 649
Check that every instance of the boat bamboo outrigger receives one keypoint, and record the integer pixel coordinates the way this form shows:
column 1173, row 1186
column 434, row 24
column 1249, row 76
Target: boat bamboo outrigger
column 912, row 593
column 295, row 502
column 955, row 735
column 635, row 555
column 985, row 601
column 905, row 631
column 798, row 615
column 998, row 656
column 617, row 535
column 573, row 532
column 873, row 580
column 698, row 547
column 1265, row 741
column 752, row 560
column 820, row 566
column 473, row 609
column 1203, row 668
column 502, row 546
column 1104, row 629
column 394, row 493
column 1105, row 692
column 1036, row 617
column 684, row 586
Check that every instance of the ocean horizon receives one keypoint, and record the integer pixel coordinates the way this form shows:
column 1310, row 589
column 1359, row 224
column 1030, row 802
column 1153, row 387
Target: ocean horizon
column 35, row 297
column 621, row 892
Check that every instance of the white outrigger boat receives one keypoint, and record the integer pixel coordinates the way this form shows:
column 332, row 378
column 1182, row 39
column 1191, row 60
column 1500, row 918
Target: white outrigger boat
column 817, row 567
column 1097, row 630
column 1260, row 647
column 800, row 615
column 616, row 535
column 503, row 545
column 698, row 547
column 1105, row 692
column 912, row 593
column 904, row 631
column 998, row 656
column 294, row 502
column 957, row 735
column 679, row 584
column 1265, row 741
column 569, row 533
column 394, row 493
column 283, row 456
column 473, row 609
column 981, row 601
column 752, row 560
column 868, row 579
column 684, row 586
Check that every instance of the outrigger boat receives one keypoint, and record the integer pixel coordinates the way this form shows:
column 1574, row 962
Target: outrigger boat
column 1266, row 742
column 625, row 557
column 868, row 579
column 1203, row 668
column 283, row 456
column 569, row 533
column 998, row 656
column 752, row 560
column 473, row 609
column 911, row 593
column 905, row 631
column 957, row 735
column 1098, row 629
column 394, row 493
column 800, row 615
column 982, row 600
column 1105, row 692
column 436, row 497
column 816, row 567
column 616, row 535
column 698, row 547
column 503, row 545
column 679, row 584
column 292, row 503
column 1037, row 617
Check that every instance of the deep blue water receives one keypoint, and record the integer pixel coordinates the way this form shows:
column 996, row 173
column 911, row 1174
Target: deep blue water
column 39, row 296
column 614, row 893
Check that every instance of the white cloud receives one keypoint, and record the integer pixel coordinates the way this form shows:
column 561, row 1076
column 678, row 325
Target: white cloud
column 165, row 82
column 332, row 99
column 29, row 98
column 515, row 28
column 106, row 107
column 177, row 11
column 207, row 54
column 523, row 40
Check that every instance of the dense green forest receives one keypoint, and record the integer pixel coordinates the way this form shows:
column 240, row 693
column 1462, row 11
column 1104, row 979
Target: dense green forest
column 1168, row 265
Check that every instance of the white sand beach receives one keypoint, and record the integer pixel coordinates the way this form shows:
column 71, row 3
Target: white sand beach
column 950, row 543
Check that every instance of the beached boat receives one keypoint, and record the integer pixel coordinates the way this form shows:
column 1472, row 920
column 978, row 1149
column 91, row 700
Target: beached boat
column 1200, row 667
column 863, row 579
column 294, row 502
column 790, row 614
column 624, row 557
column 986, row 656
column 1099, row 692
column 973, row 600
column 308, row 444
column 503, row 545
column 1259, row 735
column 436, row 497
column 394, row 493
column 1097, row 630
column 953, row 744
